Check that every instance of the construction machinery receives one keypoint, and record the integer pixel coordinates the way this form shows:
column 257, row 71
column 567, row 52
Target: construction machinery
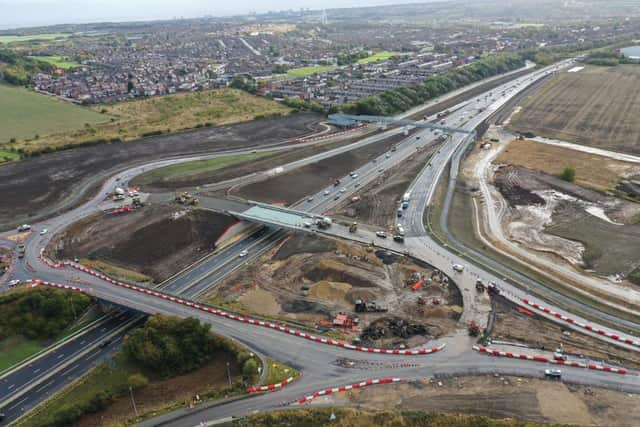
column 362, row 306
column 474, row 329
column 480, row 286
column 353, row 227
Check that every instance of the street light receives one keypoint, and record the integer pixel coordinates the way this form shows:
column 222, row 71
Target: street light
column 133, row 401
column 229, row 374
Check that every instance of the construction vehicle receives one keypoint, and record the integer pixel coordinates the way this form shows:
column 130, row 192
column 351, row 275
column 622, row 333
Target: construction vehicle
column 474, row 329
column 362, row 306
column 417, row 285
column 480, row 285
column 421, row 301
column 353, row 227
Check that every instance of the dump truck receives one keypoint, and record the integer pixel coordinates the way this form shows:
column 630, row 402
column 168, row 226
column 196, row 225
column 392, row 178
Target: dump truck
column 353, row 227
column 480, row 285
column 474, row 329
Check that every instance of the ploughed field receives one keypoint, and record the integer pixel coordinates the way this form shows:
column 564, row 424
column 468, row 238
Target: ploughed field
column 46, row 185
column 597, row 106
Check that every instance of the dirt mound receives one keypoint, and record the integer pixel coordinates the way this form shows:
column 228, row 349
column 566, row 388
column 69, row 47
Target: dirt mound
column 333, row 271
column 303, row 306
column 392, row 328
column 330, row 291
column 507, row 183
column 149, row 240
column 260, row 301
column 304, row 243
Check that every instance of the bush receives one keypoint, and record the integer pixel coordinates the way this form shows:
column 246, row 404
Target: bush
column 568, row 174
column 137, row 381
column 172, row 346
column 250, row 369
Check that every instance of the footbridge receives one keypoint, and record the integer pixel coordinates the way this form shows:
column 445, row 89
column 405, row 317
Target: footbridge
column 350, row 119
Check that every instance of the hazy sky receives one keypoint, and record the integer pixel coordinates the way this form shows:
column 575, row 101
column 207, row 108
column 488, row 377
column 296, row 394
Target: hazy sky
column 22, row 13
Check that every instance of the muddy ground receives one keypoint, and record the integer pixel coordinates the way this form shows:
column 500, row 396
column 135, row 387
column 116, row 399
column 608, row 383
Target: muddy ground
column 38, row 186
column 158, row 394
column 292, row 186
column 311, row 279
column 525, row 399
column 539, row 333
column 156, row 241
column 550, row 215
column 597, row 106
column 6, row 257
column 380, row 199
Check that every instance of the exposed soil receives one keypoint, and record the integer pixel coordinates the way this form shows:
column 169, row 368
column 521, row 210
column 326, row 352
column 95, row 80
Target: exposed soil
column 292, row 186
column 179, row 390
column 48, row 184
column 525, row 399
column 313, row 287
column 539, row 333
column 157, row 241
column 597, row 106
column 6, row 257
column 380, row 199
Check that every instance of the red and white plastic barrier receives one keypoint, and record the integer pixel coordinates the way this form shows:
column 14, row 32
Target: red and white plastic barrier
column 56, row 285
column 545, row 359
column 270, row 387
column 366, row 383
column 244, row 319
column 627, row 340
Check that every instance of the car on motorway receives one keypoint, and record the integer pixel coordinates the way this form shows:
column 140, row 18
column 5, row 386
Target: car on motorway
column 243, row 254
column 337, row 197
column 104, row 343
column 381, row 234
column 310, row 199
column 357, row 184
column 388, row 155
column 553, row 373
column 354, row 176
column 458, row 267
column 381, row 170
column 43, row 231
column 24, row 227
column 327, row 192
column 342, row 190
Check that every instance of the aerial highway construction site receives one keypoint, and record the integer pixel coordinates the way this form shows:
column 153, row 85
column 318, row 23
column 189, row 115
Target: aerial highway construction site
column 438, row 260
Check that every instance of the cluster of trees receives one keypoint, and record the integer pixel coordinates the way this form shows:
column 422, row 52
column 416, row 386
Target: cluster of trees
column 351, row 58
column 606, row 58
column 404, row 98
column 298, row 105
column 20, row 68
column 246, row 83
column 171, row 346
column 40, row 313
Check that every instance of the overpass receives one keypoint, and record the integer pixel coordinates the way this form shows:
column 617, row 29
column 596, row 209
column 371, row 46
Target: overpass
column 277, row 216
column 351, row 119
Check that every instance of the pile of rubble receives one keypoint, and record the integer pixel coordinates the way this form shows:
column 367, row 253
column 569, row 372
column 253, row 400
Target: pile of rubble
column 391, row 328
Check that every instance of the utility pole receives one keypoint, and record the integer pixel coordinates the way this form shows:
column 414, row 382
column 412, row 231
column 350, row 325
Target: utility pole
column 133, row 401
column 229, row 374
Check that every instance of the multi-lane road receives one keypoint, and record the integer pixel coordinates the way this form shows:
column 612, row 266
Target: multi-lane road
column 315, row 359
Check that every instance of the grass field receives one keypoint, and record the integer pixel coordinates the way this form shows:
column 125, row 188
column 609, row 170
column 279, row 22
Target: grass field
column 278, row 372
column 14, row 39
column 380, row 56
column 131, row 119
column 307, row 71
column 592, row 171
column 16, row 349
column 597, row 106
column 58, row 61
column 190, row 169
column 25, row 114
column 117, row 272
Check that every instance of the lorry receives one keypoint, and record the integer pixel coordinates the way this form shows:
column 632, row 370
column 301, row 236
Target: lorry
column 399, row 230
column 353, row 227
column 553, row 373
column 21, row 251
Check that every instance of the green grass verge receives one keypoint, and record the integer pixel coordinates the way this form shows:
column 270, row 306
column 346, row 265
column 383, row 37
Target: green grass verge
column 380, row 56
column 27, row 114
column 307, row 71
column 278, row 372
column 187, row 169
column 8, row 156
column 59, row 61
column 32, row 37
column 16, row 349
column 116, row 272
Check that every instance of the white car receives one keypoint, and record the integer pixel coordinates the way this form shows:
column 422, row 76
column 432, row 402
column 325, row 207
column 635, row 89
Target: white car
column 354, row 176
column 458, row 267
column 342, row 190
column 243, row 254
column 24, row 227
column 327, row 192
column 43, row 231
column 381, row 234
column 14, row 283
column 310, row 199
